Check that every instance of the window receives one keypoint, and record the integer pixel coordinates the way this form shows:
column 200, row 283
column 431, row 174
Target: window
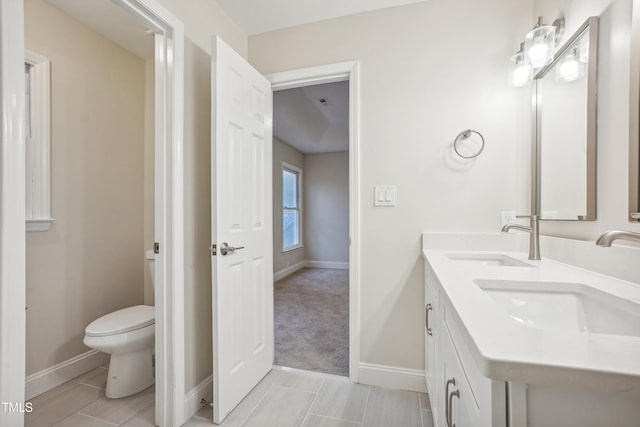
column 37, row 134
column 291, row 210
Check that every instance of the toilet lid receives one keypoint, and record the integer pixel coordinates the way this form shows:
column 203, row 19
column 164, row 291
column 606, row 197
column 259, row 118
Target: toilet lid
column 121, row 321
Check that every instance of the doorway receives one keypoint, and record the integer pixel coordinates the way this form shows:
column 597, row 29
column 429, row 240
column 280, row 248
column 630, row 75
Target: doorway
column 347, row 72
column 311, row 227
column 169, row 269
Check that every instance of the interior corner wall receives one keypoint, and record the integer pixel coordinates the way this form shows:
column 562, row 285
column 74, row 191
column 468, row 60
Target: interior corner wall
column 427, row 71
column 283, row 152
column 326, row 207
column 91, row 261
column 614, row 50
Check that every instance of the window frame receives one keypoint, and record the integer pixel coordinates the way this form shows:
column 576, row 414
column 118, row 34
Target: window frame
column 298, row 172
column 38, row 143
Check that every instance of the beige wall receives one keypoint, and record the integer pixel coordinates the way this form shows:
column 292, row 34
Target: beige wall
column 428, row 71
column 326, row 206
column 613, row 112
column 285, row 153
column 149, row 172
column 91, row 262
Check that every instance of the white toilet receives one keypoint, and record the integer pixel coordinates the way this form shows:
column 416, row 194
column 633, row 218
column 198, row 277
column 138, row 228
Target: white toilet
column 129, row 336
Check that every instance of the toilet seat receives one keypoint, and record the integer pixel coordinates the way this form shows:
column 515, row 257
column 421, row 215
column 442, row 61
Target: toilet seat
column 121, row 321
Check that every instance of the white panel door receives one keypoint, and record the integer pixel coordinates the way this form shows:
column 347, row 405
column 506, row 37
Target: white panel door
column 242, row 219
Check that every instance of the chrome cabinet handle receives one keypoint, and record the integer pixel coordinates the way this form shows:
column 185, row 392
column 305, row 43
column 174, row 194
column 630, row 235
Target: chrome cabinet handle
column 427, row 309
column 450, row 406
column 447, row 412
column 225, row 249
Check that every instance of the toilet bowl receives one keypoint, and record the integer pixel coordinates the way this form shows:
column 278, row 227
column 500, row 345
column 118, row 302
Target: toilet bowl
column 129, row 336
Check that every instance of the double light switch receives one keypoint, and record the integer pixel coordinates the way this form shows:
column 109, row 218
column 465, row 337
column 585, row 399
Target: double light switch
column 385, row 195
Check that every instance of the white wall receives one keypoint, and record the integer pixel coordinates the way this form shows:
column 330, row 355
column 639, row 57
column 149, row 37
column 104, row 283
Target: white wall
column 283, row 152
column 326, row 206
column 613, row 112
column 428, row 71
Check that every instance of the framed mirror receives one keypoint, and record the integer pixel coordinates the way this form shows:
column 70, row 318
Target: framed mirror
column 565, row 130
column 634, row 117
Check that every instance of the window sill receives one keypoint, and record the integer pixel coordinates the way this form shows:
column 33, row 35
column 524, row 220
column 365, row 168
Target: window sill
column 41, row 224
column 291, row 248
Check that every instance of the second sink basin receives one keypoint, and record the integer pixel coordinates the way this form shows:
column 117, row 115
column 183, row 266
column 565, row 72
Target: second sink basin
column 559, row 305
column 487, row 259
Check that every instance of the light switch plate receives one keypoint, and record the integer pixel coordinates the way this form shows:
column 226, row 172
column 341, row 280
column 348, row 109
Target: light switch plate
column 384, row 195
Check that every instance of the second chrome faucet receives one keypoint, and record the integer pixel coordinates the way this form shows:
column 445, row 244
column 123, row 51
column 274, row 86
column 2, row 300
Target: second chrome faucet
column 534, row 234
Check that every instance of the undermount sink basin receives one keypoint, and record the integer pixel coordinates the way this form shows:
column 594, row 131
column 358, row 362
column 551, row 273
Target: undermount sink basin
column 569, row 306
column 487, row 259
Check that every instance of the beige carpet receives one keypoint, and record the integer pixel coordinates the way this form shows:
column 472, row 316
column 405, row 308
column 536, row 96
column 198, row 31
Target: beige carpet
column 312, row 320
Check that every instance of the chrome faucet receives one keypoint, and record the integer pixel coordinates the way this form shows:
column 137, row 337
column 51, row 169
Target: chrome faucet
column 607, row 238
column 534, row 234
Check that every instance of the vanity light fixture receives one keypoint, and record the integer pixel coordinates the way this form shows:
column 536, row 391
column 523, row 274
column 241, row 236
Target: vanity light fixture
column 570, row 67
column 540, row 42
column 519, row 71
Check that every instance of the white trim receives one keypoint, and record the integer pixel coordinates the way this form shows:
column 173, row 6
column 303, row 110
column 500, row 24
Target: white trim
column 278, row 275
column 289, row 270
column 12, row 210
column 328, row 74
column 192, row 400
column 49, row 378
column 43, row 224
column 38, row 151
column 334, row 265
column 393, row 377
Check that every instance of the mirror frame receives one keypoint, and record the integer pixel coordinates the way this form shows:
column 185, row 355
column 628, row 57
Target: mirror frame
column 592, row 89
column 634, row 116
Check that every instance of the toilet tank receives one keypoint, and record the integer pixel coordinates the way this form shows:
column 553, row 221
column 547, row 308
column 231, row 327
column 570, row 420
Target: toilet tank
column 151, row 258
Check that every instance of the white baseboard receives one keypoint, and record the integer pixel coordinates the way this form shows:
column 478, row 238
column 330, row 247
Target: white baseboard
column 309, row 264
column 327, row 264
column 45, row 380
column 392, row 377
column 289, row 270
column 204, row 390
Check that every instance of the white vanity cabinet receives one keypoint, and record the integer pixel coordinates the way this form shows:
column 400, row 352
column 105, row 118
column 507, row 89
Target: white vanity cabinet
column 460, row 396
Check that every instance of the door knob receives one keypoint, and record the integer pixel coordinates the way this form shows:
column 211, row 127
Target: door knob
column 225, row 249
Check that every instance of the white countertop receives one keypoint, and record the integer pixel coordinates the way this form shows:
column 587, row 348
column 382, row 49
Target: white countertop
column 507, row 350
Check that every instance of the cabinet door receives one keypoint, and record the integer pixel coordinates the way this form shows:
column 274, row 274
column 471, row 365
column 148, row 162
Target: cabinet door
column 431, row 324
column 459, row 406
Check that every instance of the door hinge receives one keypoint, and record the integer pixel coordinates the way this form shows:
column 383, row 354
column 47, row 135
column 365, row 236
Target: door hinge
column 156, row 248
column 213, row 249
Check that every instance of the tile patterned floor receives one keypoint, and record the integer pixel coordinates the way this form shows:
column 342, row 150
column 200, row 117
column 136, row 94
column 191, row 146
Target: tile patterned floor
column 285, row 397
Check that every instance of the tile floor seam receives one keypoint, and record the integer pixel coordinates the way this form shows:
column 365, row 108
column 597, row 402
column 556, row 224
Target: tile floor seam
column 366, row 405
column 333, row 418
column 308, row 411
column 259, row 401
column 421, row 410
column 92, row 386
column 84, row 415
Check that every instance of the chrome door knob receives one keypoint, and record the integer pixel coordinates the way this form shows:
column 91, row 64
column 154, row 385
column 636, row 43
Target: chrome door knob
column 225, row 249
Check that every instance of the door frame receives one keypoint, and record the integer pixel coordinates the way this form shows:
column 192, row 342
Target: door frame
column 169, row 209
column 330, row 73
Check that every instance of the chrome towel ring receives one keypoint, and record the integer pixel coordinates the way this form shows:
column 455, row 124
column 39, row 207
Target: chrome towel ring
column 465, row 134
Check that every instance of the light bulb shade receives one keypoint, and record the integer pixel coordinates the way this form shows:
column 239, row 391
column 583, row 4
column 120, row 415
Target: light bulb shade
column 539, row 44
column 519, row 72
column 570, row 69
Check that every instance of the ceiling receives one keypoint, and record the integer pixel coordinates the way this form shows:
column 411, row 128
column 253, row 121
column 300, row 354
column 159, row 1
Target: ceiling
column 113, row 22
column 259, row 16
column 303, row 122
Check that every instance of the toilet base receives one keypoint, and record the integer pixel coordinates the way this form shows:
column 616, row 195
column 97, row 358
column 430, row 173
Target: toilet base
column 129, row 373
